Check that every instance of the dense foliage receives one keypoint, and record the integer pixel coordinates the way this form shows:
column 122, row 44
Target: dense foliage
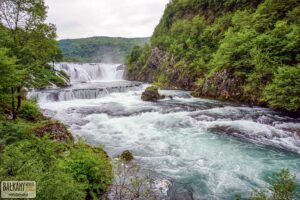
column 62, row 170
column 99, row 49
column 229, row 49
column 27, row 45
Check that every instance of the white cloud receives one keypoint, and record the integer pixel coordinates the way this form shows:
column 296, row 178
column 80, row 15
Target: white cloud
column 118, row 18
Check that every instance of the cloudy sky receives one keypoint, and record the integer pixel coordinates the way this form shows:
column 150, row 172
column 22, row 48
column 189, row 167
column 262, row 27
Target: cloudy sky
column 86, row 18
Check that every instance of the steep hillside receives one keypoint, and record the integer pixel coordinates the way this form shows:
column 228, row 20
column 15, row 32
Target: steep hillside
column 238, row 50
column 99, row 49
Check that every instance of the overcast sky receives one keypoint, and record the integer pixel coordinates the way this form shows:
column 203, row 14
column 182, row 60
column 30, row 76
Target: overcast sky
column 122, row 18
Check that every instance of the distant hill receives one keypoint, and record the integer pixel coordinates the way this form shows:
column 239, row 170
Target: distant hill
column 99, row 49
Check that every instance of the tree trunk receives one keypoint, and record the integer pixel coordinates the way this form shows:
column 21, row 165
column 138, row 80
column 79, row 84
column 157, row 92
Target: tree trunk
column 19, row 99
column 13, row 103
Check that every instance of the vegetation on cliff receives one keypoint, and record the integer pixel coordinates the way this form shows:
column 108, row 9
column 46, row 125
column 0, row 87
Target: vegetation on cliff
column 99, row 49
column 229, row 49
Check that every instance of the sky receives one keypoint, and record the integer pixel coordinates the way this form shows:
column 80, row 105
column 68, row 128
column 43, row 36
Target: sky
column 116, row 18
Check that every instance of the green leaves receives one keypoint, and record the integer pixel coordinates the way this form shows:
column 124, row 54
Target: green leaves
column 284, row 91
column 61, row 171
column 283, row 187
column 90, row 166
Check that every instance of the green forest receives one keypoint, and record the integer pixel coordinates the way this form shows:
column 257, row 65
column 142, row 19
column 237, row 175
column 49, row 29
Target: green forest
column 246, row 51
column 99, row 49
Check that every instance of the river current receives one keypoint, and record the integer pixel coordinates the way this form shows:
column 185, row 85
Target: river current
column 207, row 149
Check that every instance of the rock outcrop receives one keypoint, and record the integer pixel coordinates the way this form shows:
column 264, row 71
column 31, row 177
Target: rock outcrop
column 151, row 94
column 56, row 131
column 222, row 85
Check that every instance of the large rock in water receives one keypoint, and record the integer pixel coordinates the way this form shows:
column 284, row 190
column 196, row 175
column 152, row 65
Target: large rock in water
column 151, row 94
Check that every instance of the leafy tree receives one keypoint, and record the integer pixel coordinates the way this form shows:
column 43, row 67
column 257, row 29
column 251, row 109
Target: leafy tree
column 30, row 41
column 11, row 77
column 284, row 91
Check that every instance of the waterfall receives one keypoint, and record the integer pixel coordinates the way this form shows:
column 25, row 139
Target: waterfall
column 92, row 90
column 89, row 72
column 88, row 81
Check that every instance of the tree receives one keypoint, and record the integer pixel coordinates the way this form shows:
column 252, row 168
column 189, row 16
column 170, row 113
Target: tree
column 28, row 38
column 284, row 91
column 11, row 76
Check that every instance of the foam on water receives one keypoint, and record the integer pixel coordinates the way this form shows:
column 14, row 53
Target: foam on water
column 213, row 149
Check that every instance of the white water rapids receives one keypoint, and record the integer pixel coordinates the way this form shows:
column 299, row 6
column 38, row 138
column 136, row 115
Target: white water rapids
column 207, row 149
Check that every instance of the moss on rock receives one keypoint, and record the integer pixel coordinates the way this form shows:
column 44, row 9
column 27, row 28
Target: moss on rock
column 126, row 156
column 151, row 94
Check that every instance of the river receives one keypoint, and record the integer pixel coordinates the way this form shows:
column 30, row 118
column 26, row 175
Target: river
column 208, row 149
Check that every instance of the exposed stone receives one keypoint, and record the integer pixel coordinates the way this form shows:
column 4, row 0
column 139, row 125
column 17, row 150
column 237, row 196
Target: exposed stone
column 223, row 85
column 126, row 156
column 156, row 58
column 56, row 130
column 151, row 94
column 121, row 67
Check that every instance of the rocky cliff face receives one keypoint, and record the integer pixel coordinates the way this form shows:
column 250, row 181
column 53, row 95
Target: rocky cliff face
column 223, row 85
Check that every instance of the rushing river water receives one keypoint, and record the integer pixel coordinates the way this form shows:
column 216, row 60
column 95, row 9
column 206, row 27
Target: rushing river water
column 207, row 149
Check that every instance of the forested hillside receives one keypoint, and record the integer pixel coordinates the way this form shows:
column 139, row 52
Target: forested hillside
column 237, row 50
column 99, row 49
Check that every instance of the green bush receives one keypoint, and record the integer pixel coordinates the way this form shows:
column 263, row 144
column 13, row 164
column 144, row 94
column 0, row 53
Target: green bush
column 90, row 166
column 61, row 171
column 14, row 131
column 283, row 187
column 285, row 89
column 37, row 160
column 30, row 111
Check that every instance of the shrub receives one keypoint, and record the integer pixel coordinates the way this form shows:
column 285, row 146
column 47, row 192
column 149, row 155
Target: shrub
column 284, row 91
column 30, row 111
column 283, row 187
column 13, row 131
column 91, row 166
column 37, row 160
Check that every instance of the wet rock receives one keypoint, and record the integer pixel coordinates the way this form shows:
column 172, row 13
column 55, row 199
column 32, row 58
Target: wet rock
column 126, row 156
column 121, row 67
column 151, row 94
column 56, row 130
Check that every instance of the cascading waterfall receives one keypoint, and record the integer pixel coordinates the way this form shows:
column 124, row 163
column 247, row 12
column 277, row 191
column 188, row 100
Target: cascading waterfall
column 81, row 73
column 88, row 81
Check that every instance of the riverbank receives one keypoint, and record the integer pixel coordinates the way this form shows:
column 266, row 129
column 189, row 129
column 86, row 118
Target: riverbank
column 37, row 148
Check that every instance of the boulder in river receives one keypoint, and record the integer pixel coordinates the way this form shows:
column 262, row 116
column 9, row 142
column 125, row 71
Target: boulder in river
column 151, row 94
column 126, row 156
